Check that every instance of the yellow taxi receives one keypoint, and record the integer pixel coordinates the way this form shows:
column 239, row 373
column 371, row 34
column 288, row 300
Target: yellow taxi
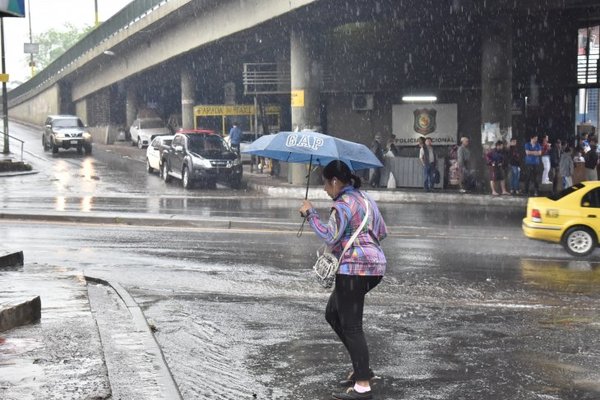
column 572, row 217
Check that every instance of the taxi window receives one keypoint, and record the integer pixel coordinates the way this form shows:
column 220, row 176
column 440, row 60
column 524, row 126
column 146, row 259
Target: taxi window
column 591, row 199
column 566, row 192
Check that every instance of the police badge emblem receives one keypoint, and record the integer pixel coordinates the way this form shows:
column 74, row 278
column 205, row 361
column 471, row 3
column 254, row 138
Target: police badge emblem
column 425, row 121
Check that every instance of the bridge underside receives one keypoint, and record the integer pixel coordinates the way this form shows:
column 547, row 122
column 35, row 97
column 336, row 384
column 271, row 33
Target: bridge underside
column 515, row 68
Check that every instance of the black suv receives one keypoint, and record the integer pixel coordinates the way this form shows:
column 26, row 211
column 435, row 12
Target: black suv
column 66, row 132
column 200, row 156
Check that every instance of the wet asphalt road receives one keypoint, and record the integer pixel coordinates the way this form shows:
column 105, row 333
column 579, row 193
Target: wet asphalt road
column 469, row 309
column 471, row 317
column 115, row 180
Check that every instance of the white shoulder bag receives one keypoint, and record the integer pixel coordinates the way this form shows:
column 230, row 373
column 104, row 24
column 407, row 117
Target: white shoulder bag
column 326, row 266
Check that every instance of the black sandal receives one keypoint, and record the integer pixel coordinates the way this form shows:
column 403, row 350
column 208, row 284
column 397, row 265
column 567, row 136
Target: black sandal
column 352, row 394
column 350, row 381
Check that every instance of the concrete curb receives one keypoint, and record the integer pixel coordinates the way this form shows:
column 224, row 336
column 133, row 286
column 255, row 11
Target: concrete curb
column 395, row 196
column 181, row 222
column 20, row 173
column 13, row 315
column 12, row 260
column 142, row 325
column 167, row 221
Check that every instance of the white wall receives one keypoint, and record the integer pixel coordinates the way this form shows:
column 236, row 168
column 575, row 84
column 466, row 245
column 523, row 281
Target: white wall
column 37, row 109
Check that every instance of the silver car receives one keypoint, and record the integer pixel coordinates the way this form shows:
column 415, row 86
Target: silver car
column 66, row 132
column 144, row 130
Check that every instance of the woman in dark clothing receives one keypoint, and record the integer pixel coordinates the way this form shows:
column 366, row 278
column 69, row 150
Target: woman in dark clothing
column 515, row 160
column 361, row 267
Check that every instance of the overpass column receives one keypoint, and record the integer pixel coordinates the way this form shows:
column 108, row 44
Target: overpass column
column 496, row 79
column 131, row 105
column 187, row 98
column 305, row 70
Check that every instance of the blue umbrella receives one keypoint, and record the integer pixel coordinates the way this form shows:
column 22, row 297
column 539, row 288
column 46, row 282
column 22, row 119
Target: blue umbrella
column 308, row 147
column 314, row 148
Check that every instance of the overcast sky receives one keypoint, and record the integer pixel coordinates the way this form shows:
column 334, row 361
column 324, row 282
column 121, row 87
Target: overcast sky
column 46, row 14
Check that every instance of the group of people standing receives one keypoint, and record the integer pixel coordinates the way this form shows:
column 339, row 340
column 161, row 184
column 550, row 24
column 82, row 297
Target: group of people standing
column 537, row 161
column 542, row 163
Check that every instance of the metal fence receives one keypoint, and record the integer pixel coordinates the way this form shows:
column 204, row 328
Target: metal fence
column 122, row 20
column 17, row 139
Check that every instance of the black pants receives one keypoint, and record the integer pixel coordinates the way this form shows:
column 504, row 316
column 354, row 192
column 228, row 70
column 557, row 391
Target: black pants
column 555, row 178
column 376, row 177
column 344, row 313
column 532, row 173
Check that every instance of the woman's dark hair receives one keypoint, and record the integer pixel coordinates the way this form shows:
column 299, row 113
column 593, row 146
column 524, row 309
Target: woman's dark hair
column 339, row 170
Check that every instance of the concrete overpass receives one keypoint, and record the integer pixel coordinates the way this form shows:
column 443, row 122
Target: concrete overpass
column 510, row 65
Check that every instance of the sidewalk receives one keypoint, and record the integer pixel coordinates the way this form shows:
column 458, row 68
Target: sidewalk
column 92, row 341
column 60, row 357
column 279, row 187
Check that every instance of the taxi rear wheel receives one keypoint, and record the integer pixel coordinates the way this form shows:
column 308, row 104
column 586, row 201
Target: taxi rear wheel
column 579, row 241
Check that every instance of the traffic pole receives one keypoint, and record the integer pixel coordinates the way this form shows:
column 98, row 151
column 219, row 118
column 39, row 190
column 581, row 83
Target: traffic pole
column 4, row 91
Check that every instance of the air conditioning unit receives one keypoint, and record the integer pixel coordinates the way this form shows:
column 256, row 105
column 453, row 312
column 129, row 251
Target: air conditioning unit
column 362, row 102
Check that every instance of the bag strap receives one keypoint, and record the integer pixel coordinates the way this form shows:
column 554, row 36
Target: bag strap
column 357, row 232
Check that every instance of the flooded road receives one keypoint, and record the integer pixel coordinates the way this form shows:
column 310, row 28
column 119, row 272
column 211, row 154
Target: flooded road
column 469, row 308
column 461, row 314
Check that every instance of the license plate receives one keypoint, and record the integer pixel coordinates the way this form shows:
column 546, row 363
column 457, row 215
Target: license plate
column 74, row 141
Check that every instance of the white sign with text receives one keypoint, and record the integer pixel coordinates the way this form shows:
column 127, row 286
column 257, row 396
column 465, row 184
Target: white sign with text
column 436, row 121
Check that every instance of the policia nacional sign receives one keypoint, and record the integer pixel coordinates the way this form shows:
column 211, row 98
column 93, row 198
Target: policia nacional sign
column 435, row 121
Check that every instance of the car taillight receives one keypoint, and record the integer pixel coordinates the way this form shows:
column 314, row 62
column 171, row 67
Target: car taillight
column 536, row 215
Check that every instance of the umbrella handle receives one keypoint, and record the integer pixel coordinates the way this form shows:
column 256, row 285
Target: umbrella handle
column 299, row 233
column 308, row 178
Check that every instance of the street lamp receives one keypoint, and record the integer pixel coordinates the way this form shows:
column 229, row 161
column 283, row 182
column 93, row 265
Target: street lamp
column 31, row 62
column 7, row 9
column 6, row 149
column 97, row 20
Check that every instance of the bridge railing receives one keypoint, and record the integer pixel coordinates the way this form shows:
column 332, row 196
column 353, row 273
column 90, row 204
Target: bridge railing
column 122, row 20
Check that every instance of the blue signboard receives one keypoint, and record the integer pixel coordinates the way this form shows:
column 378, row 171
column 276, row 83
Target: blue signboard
column 12, row 8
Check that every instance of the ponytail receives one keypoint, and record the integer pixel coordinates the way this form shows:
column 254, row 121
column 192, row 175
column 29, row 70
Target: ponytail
column 356, row 181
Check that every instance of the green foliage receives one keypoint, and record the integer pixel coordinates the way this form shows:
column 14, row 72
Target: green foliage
column 55, row 42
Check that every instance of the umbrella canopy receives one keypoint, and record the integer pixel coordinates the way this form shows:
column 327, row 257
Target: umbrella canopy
column 314, row 148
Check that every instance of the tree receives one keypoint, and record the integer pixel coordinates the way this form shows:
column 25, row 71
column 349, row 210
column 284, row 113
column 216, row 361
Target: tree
column 54, row 42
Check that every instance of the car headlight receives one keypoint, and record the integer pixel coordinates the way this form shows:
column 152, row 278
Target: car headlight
column 60, row 135
column 201, row 162
column 87, row 135
column 236, row 162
